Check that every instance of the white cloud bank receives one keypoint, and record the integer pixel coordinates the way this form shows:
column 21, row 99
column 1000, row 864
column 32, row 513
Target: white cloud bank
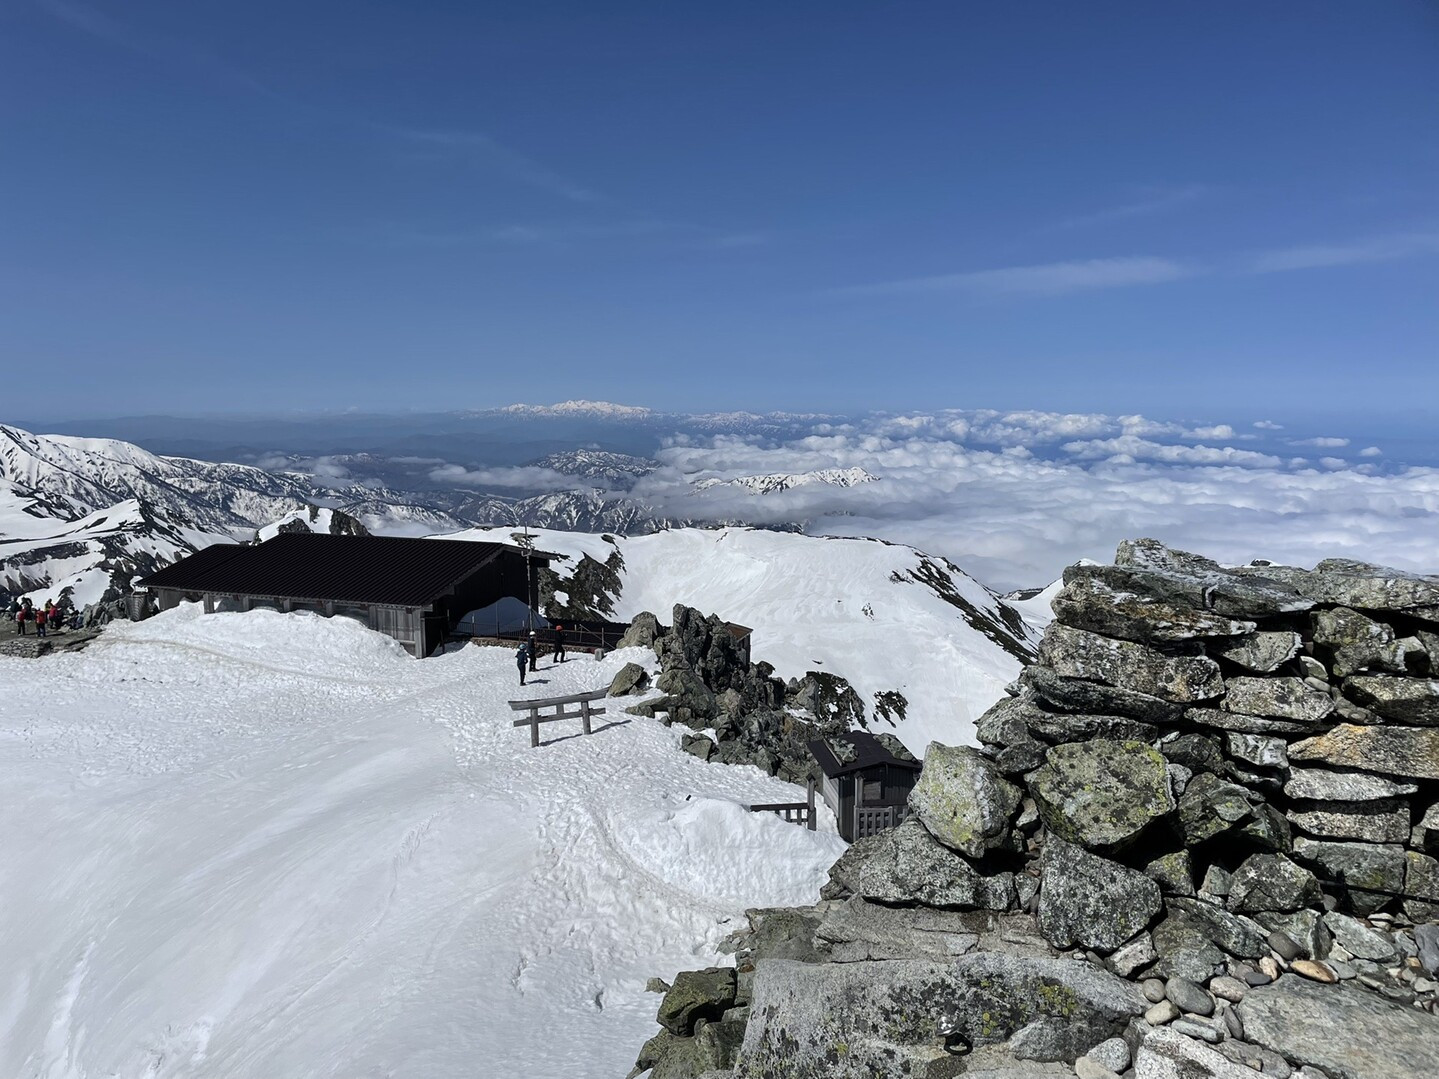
column 1014, row 497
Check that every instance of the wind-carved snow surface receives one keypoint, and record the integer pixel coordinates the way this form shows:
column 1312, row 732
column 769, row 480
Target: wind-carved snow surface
column 266, row 845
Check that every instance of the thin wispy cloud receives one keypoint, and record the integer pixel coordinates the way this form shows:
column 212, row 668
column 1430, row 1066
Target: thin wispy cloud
column 1149, row 202
column 486, row 154
column 1047, row 279
column 1357, row 252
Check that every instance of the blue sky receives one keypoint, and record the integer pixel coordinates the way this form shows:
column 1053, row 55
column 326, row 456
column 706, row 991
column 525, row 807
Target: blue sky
column 1197, row 209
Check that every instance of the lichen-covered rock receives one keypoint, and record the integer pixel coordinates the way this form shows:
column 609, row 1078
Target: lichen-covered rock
column 697, row 994
column 1347, row 1031
column 1054, row 727
column 1238, row 721
column 908, row 865
column 1421, row 885
column 1088, row 602
column 1080, row 695
column 689, row 698
column 1272, row 882
column 1278, row 698
column 1383, row 821
column 1398, row 751
column 1076, row 653
column 1345, row 582
column 1356, row 641
column 1404, row 700
column 1101, row 794
column 1186, row 947
column 1261, row 652
column 1231, row 931
column 1358, row 868
column 1090, row 901
column 1174, row 873
column 861, row 931
column 839, row 1021
column 1319, row 784
column 963, row 801
column 1209, row 806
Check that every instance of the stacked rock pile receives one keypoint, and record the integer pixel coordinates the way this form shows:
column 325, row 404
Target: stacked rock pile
column 741, row 712
column 1199, row 839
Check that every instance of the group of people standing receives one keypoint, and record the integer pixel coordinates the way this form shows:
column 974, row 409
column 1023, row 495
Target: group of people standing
column 46, row 619
column 528, row 652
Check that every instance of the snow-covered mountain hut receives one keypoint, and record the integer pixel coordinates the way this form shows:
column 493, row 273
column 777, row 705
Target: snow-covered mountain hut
column 414, row 590
column 865, row 784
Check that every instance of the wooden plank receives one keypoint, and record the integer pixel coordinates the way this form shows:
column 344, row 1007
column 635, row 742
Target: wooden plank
column 551, row 702
column 552, row 719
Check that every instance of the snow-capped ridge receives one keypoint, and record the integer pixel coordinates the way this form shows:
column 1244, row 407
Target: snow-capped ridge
column 780, row 481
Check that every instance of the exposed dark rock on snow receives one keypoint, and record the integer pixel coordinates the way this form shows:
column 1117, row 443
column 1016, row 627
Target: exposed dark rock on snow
column 1223, row 783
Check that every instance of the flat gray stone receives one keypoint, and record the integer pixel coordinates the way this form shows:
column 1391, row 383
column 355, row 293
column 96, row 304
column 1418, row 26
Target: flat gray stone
column 1083, row 696
column 861, row 931
column 1349, row 583
column 1277, row 698
column 1407, row 752
column 1262, row 750
column 1421, row 884
column 1382, row 821
column 1319, row 784
column 1209, row 807
column 1237, row 721
column 1189, row 996
column 1356, row 641
column 1361, row 941
column 1091, row 902
column 963, row 800
column 1076, row 653
column 1262, row 652
column 1350, row 1033
column 1403, row 700
column 857, row 1021
column 1236, row 934
column 1091, row 603
column 1101, row 794
column 1167, row 1053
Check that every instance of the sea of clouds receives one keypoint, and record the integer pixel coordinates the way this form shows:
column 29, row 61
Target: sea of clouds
column 1013, row 497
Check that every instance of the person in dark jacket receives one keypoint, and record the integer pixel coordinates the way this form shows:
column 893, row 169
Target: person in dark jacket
column 20, row 620
column 522, row 659
column 534, row 647
column 559, row 643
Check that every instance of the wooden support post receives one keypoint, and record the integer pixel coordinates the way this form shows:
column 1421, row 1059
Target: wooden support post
column 811, row 806
column 585, row 716
column 534, row 728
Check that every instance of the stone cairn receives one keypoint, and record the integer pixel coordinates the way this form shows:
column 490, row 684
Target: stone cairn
column 1198, row 841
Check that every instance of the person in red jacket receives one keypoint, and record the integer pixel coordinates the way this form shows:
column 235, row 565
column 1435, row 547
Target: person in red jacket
column 20, row 620
column 40, row 622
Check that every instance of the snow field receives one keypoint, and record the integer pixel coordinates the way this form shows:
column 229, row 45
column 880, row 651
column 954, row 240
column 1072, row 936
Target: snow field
column 265, row 845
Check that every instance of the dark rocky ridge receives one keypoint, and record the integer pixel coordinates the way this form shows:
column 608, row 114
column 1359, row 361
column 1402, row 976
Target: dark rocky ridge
column 1199, row 840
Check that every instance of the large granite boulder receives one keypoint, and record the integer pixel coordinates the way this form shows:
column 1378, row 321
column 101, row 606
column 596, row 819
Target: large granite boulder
column 643, row 632
column 631, row 678
column 1091, row 902
column 1345, row 582
column 1076, row 653
column 1398, row 751
column 1101, row 794
column 906, row 1017
column 908, row 865
column 1350, row 1033
column 1382, row 821
column 1370, row 872
column 963, row 800
column 695, row 995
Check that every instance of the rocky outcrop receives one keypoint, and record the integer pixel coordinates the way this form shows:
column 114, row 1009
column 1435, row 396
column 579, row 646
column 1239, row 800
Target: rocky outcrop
column 1215, row 799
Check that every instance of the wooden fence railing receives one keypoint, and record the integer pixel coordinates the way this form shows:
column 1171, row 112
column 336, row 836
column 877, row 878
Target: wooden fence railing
column 539, row 711
column 794, row 812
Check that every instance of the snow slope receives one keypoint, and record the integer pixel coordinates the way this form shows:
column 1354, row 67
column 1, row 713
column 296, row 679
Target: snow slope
column 264, row 845
column 884, row 616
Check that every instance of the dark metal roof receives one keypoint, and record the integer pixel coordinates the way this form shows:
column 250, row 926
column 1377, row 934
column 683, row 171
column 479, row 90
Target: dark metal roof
column 352, row 569
column 857, row 751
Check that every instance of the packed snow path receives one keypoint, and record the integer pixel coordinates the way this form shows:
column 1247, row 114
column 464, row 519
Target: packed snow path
column 274, row 846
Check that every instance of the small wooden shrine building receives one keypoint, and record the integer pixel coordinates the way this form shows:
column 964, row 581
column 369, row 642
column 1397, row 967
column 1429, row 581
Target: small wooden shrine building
column 414, row 590
column 865, row 785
